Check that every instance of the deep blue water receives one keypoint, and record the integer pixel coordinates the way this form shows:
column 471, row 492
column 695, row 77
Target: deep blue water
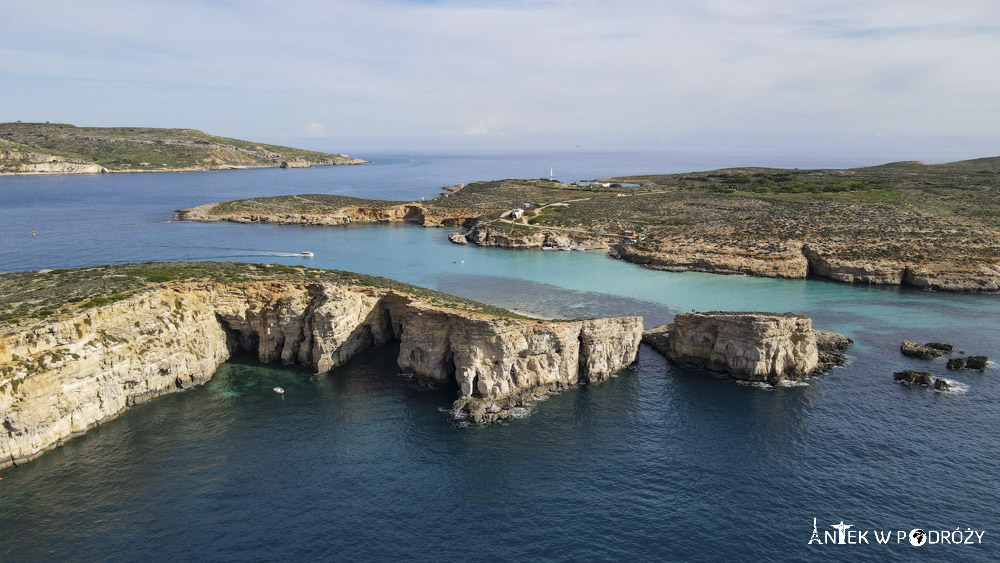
column 658, row 463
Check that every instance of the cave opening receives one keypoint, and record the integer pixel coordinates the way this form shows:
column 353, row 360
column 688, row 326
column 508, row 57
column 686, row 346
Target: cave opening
column 240, row 342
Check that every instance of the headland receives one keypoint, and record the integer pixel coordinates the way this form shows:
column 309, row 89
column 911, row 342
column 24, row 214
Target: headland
column 58, row 148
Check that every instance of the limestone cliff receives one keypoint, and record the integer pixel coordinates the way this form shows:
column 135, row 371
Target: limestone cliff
column 17, row 159
column 327, row 216
column 60, row 378
column 529, row 237
column 783, row 261
column 749, row 346
column 412, row 213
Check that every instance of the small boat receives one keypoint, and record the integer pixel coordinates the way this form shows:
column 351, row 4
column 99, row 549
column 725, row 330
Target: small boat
column 306, row 253
column 565, row 248
column 279, row 390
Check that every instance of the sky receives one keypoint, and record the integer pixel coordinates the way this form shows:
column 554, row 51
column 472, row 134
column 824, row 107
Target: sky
column 844, row 75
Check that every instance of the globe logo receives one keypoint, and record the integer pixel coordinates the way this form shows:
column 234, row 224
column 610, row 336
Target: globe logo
column 918, row 537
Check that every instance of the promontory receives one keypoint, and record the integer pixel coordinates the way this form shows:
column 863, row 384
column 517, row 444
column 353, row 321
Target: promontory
column 906, row 223
column 78, row 347
column 58, row 148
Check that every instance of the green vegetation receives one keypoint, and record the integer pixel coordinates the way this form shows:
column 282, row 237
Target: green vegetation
column 146, row 149
column 311, row 203
column 943, row 219
column 509, row 194
column 27, row 296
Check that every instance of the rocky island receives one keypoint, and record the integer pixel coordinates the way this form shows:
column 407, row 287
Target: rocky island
column 925, row 226
column 78, row 347
column 750, row 346
column 57, row 148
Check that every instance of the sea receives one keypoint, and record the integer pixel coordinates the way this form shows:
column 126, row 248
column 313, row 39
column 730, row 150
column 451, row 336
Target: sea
column 659, row 463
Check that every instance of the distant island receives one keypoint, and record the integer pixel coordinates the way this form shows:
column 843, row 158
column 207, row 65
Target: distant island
column 905, row 223
column 58, row 148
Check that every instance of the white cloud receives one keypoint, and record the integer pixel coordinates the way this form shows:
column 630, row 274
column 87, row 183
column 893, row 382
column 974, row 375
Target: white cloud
column 314, row 130
column 478, row 129
column 623, row 74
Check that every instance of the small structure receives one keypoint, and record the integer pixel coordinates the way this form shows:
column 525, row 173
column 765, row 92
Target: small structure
column 515, row 213
column 629, row 233
column 526, row 206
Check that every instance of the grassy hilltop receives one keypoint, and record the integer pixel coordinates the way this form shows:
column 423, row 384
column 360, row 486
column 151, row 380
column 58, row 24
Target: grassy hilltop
column 49, row 147
column 29, row 297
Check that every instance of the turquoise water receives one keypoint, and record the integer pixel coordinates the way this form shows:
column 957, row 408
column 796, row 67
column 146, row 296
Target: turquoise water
column 658, row 463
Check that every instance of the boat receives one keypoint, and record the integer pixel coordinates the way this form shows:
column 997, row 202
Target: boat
column 279, row 390
column 306, row 253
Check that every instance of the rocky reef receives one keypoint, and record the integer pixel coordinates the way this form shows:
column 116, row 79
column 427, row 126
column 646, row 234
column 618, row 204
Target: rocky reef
column 913, row 377
column 970, row 362
column 60, row 377
column 764, row 347
column 926, row 351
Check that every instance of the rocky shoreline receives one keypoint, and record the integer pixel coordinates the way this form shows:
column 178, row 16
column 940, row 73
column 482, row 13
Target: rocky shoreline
column 794, row 258
column 804, row 263
column 790, row 263
column 52, row 167
column 60, row 378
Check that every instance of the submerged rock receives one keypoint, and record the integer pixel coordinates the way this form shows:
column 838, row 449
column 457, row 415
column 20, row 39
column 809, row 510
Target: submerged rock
column 913, row 377
column 911, row 348
column 941, row 385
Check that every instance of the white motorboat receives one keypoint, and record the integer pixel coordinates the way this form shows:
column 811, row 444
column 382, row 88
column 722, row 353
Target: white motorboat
column 306, row 253
column 279, row 390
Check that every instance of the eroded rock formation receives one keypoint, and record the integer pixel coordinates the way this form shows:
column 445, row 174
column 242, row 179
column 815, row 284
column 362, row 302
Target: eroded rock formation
column 16, row 159
column 911, row 348
column 527, row 237
column 749, row 346
column 913, row 377
column 971, row 362
column 415, row 213
column 62, row 378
